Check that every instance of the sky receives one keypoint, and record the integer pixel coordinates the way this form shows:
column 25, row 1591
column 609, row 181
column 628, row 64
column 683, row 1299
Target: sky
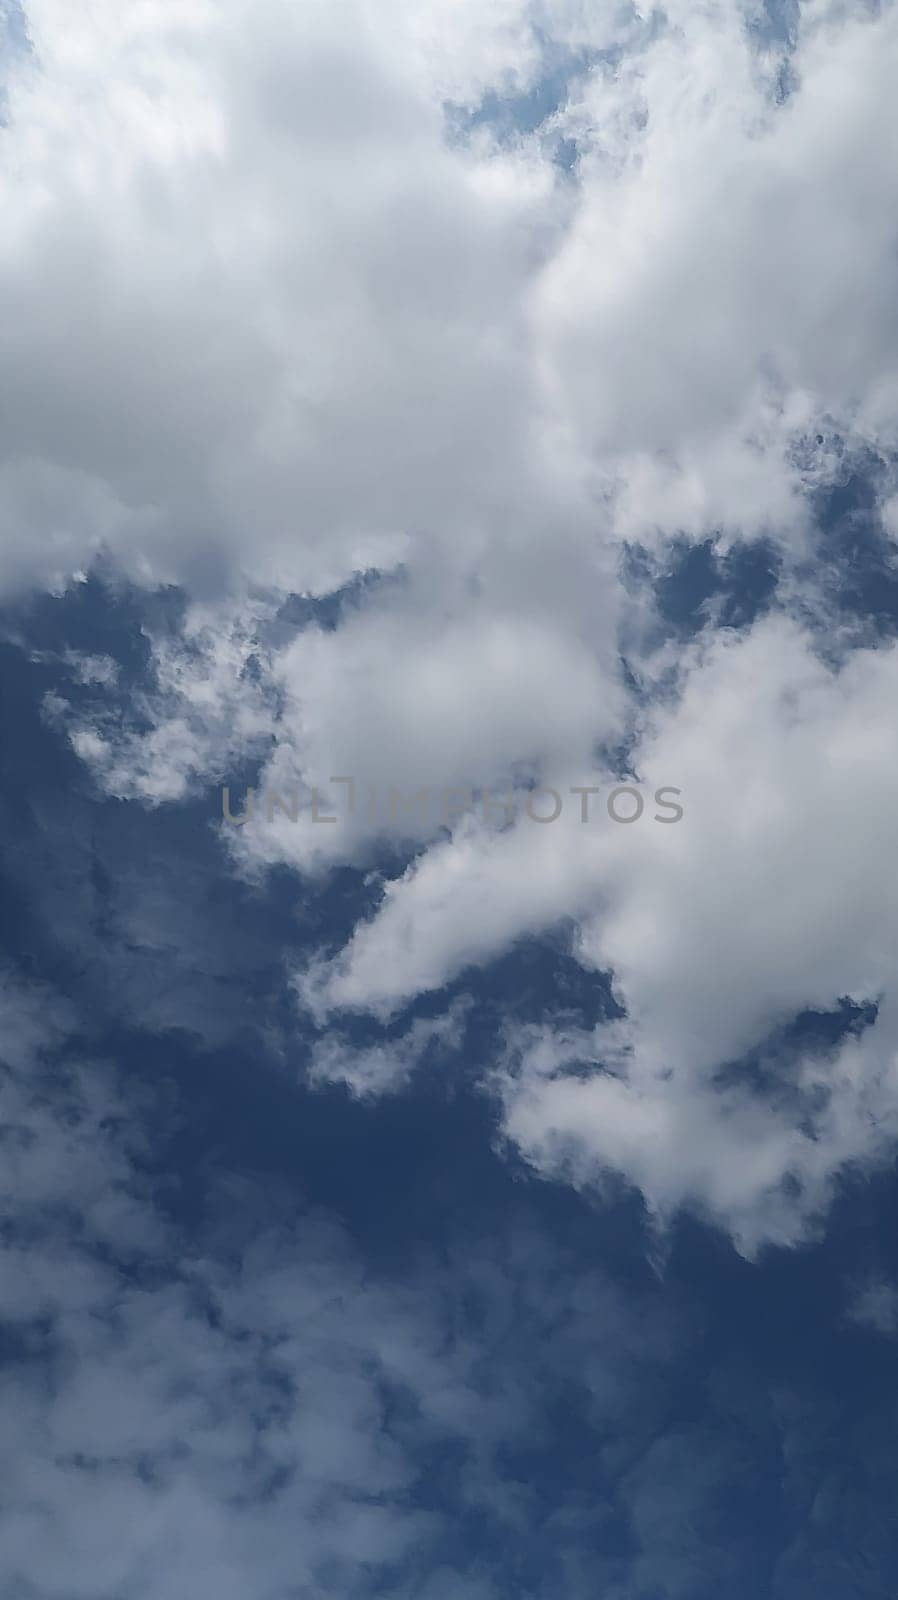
column 448, row 659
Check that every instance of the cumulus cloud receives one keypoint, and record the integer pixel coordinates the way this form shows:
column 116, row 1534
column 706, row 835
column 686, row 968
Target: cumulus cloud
column 467, row 300
column 337, row 315
column 766, row 899
column 275, row 315
column 267, row 320
column 708, row 309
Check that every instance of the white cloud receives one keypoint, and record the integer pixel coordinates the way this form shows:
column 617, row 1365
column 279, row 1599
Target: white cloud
column 766, row 899
column 266, row 318
column 383, row 1068
column 271, row 317
column 724, row 282
column 275, row 322
column 441, row 691
column 875, row 1305
column 209, row 705
column 769, row 899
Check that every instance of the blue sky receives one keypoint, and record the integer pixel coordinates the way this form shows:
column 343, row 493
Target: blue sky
column 451, row 1200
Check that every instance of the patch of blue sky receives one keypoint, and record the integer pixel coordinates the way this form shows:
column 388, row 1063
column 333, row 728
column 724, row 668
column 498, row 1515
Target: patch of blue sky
column 14, row 42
